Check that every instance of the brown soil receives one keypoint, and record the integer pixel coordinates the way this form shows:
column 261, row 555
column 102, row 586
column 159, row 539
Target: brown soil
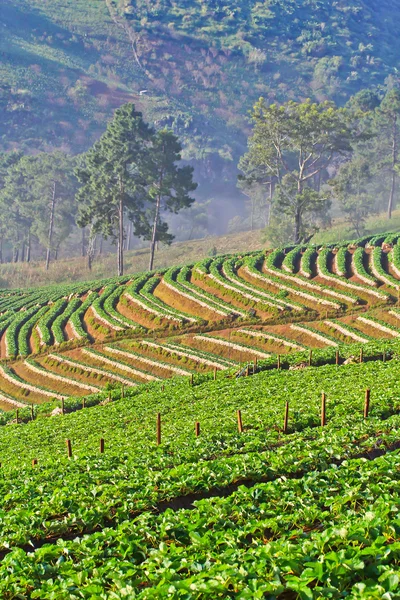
column 208, row 287
column 94, row 334
column 3, row 346
column 91, row 360
column 138, row 314
column 238, row 356
column 153, row 370
column 68, row 333
column 50, row 384
column 74, row 372
column 20, row 394
column 174, row 360
column 183, row 304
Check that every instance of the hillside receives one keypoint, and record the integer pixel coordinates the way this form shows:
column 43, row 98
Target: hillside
column 218, row 314
column 225, row 429
column 141, row 503
column 66, row 64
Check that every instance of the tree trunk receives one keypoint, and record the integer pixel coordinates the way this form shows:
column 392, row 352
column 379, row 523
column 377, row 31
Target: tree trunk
column 83, row 243
column 56, row 253
column 121, row 236
column 101, row 246
column 297, row 227
column 28, row 248
column 252, row 200
column 23, row 251
column 128, row 236
column 154, row 234
column 51, row 226
column 1, row 251
column 394, row 160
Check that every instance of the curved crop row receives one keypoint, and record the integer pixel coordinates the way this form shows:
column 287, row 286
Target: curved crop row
column 234, row 345
column 291, row 258
column 76, row 319
column 190, row 353
column 151, row 362
column 44, row 326
column 271, row 336
column 35, row 367
column 378, row 270
column 315, row 333
column 380, row 325
column 359, row 269
column 348, row 331
column 340, row 260
column 119, row 364
column 109, row 307
column 62, row 320
column 13, row 378
column 23, row 346
column 12, row 331
column 76, row 364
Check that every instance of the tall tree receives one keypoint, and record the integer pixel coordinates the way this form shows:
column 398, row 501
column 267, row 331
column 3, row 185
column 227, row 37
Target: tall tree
column 351, row 188
column 388, row 127
column 293, row 145
column 110, row 176
column 168, row 186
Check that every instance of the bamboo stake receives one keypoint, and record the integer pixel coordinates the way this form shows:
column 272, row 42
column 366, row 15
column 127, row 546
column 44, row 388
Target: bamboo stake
column 191, row 379
column 32, row 412
column 17, row 415
column 101, row 445
column 62, row 406
column 286, row 419
column 240, row 422
column 215, row 373
column 323, row 410
column 361, row 355
column 69, row 448
column 34, row 462
column 83, row 402
column 337, row 357
column 158, row 429
column 197, row 428
column 310, row 359
column 122, row 391
column 366, row 402
column 279, row 361
column 384, row 356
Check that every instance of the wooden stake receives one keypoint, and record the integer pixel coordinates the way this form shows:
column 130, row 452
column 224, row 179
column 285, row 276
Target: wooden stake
column 361, row 355
column 122, row 391
column 62, row 406
column 17, row 415
column 366, row 403
column 285, row 422
column 101, row 446
column 279, row 361
column 337, row 357
column 83, row 402
column 255, row 363
column 162, row 387
column 69, row 448
column 191, row 379
column 197, row 428
column 310, row 359
column 239, row 420
column 34, row 462
column 247, row 371
column 158, row 429
column 32, row 412
column 215, row 373
column 384, row 356
column 323, row 410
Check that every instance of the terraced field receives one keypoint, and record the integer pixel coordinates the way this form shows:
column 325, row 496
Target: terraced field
column 223, row 313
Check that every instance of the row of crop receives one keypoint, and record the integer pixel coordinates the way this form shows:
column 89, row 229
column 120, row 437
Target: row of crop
column 61, row 359
column 228, row 270
column 101, row 315
column 147, row 292
column 291, row 258
column 231, row 345
column 382, row 326
column 77, row 317
column 62, row 319
column 315, row 334
column 202, row 355
column 307, row 262
column 10, row 376
column 188, row 353
column 240, row 291
column 263, row 335
column 324, row 272
column 348, row 331
column 395, row 257
column 359, row 269
column 12, row 331
column 292, row 283
column 179, row 285
column 95, row 354
column 35, row 367
column 378, row 270
column 44, row 326
column 340, row 261
column 23, row 341
column 151, row 362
